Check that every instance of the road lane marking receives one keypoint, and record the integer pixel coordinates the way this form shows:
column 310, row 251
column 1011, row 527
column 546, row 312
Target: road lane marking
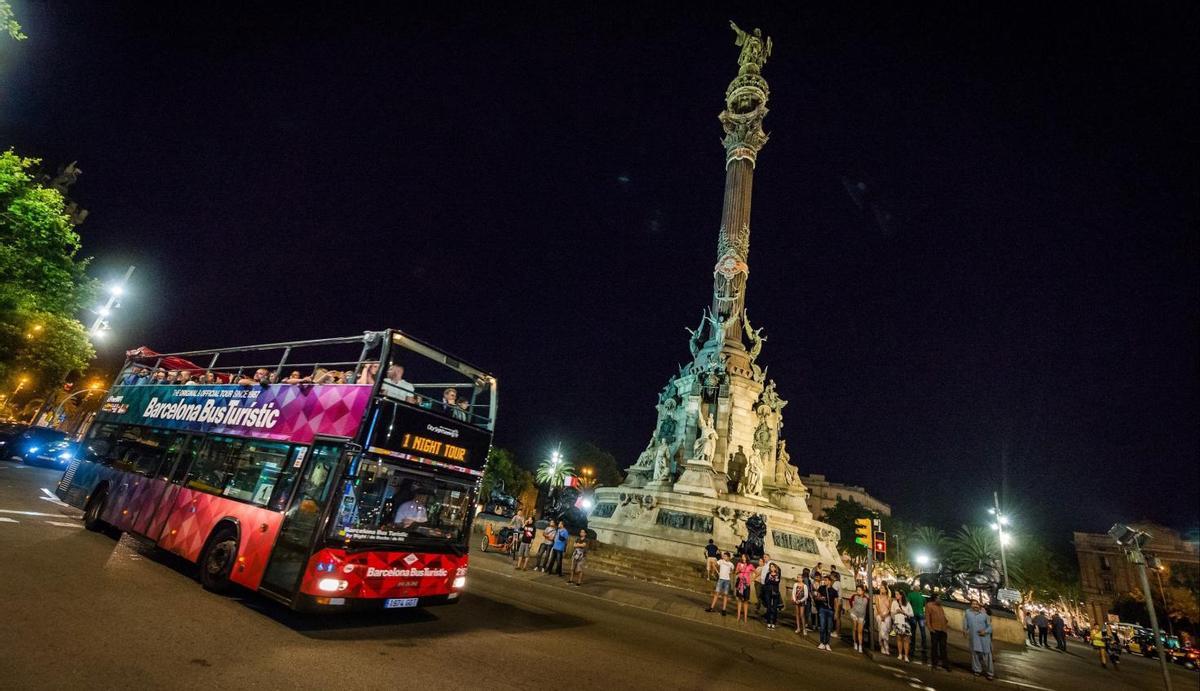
column 50, row 496
column 1024, row 684
column 7, row 520
column 31, row 513
column 64, row 525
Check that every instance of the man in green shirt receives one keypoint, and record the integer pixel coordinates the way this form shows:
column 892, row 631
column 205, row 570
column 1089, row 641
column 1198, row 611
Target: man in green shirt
column 916, row 598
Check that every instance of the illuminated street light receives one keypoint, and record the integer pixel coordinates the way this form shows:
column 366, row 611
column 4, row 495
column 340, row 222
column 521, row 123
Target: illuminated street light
column 923, row 560
column 1005, row 540
column 1001, row 521
column 115, row 291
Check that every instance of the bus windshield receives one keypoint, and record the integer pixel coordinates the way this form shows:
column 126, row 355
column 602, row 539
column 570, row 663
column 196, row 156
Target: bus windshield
column 385, row 503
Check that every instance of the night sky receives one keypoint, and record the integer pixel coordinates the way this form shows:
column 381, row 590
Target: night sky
column 538, row 190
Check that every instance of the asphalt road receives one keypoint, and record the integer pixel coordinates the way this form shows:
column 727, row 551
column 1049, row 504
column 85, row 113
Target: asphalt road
column 81, row 610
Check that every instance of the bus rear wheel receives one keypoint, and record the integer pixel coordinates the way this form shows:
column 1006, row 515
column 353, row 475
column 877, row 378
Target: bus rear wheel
column 92, row 512
column 216, row 562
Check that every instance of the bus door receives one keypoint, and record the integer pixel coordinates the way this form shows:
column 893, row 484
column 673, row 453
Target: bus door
column 302, row 518
column 162, row 489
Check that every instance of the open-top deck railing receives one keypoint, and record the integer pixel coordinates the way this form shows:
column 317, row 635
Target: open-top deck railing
column 377, row 348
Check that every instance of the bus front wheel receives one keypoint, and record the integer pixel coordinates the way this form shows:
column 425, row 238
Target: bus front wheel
column 91, row 513
column 216, row 563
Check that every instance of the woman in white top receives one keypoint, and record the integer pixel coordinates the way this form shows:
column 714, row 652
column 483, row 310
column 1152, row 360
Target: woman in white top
column 902, row 613
column 883, row 617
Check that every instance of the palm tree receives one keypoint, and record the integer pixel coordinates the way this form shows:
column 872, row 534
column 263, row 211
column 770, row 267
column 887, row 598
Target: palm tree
column 930, row 540
column 554, row 471
column 971, row 546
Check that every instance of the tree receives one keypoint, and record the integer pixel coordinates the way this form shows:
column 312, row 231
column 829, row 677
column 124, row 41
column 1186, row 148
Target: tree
column 842, row 516
column 43, row 283
column 8, row 23
column 603, row 464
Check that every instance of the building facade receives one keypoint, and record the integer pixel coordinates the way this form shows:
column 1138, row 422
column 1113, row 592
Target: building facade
column 1106, row 574
column 823, row 494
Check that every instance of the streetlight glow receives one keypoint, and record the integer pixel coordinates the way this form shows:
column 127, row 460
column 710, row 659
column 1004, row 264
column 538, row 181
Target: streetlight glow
column 104, row 311
column 1006, row 539
column 923, row 560
column 117, row 289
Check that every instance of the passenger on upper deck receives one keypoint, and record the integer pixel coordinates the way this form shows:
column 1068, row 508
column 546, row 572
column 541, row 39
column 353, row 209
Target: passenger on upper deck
column 395, row 385
column 160, row 377
column 369, row 373
column 295, row 378
column 261, row 377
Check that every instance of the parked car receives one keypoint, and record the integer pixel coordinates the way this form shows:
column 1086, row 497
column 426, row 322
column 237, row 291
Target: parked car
column 9, row 431
column 1188, row 657
column 56, row 454
column 35, row 441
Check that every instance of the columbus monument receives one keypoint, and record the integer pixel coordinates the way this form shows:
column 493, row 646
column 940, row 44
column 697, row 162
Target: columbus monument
column 716, row 465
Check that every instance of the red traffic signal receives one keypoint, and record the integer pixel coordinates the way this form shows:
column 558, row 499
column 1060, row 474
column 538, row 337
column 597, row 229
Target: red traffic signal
column 879, row 546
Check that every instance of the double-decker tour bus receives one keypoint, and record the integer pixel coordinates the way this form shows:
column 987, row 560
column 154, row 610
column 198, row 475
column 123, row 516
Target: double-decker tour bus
column 341, row 483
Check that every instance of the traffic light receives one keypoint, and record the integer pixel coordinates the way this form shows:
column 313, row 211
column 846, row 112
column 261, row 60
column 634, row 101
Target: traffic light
column 879, row 546
column 862, row 532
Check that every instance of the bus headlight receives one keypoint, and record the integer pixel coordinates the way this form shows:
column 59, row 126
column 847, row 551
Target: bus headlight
column 460, row 582
column 331, row 585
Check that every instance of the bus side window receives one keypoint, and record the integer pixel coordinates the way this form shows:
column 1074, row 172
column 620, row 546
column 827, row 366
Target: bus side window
column 141, row 450
column 190, row 450
column 287, row 478
column 173, row 457
column 99, row 444
column 255, row 470
column 210, row 471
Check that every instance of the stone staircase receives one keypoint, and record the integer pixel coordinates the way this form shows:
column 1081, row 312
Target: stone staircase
column 649, row 567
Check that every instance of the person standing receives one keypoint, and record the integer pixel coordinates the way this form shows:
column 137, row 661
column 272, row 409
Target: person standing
column 528, row 532
column 745, row 579
column 724, row 576
column 1059, row 627
column 710, row 559
column 916, row 598
column 578, row 558
column 557, row 549
column 515, row 526
column 543, row 553
column 824, row 598
column 883, row 617
column 939, row 627
column 773, row 598
column 810, row 614
column 1100, row 645
column 801, row 599
column 1043, row 627
column 902, row 613
column 858, row 615
column 1030, row 628
column 977, row 627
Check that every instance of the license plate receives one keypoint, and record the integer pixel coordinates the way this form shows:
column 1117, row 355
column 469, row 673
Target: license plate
column 400, row 602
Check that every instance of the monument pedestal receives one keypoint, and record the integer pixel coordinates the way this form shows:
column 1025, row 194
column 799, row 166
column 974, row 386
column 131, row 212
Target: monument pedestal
column 698, row 478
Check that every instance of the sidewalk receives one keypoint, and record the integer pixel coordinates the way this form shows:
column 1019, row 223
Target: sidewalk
column 677, row 602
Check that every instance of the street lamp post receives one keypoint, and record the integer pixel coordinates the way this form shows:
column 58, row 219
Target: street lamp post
column 1132, row 541
column 92, row 388
column 1162, row 591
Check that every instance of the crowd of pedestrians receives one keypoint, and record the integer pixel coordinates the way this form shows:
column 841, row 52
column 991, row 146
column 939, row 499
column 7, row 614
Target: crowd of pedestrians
column 551, row 545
